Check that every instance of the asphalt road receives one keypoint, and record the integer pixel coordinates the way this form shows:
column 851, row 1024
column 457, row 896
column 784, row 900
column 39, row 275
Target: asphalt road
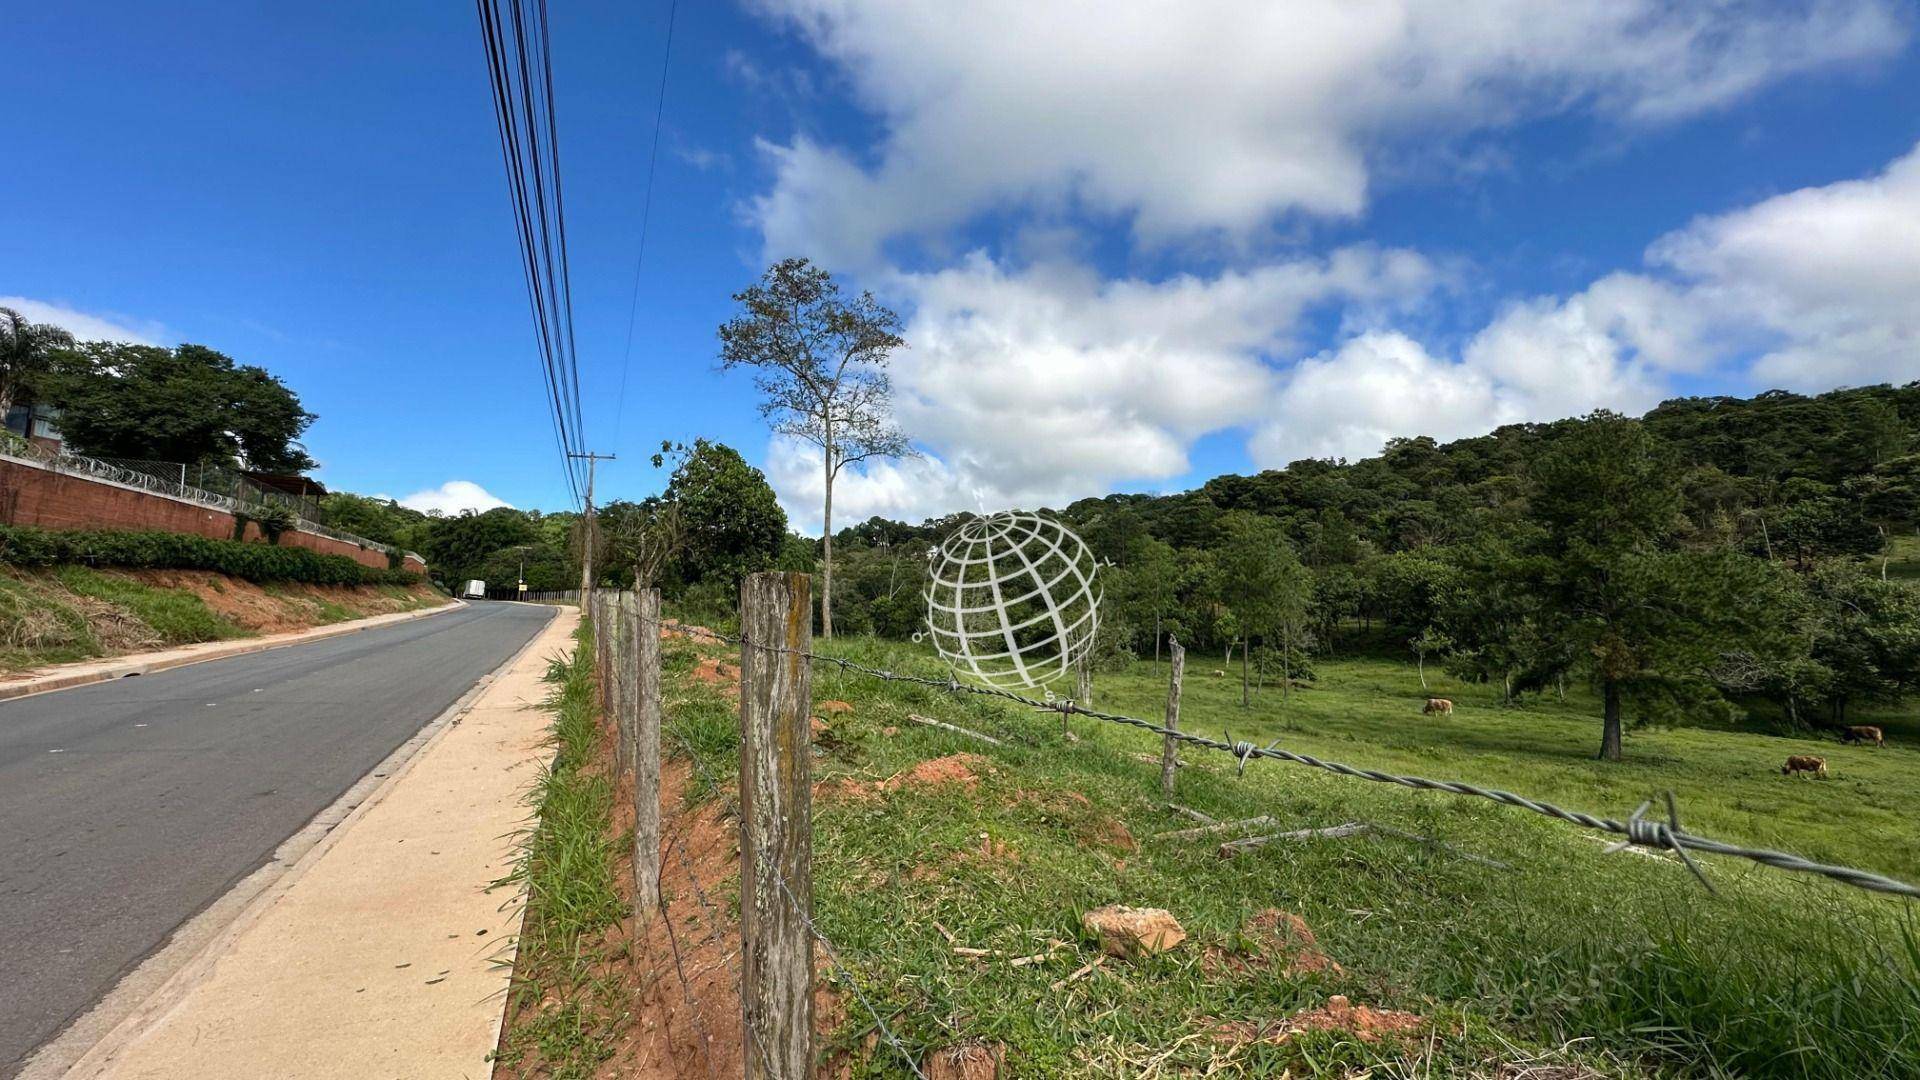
column 126, row 807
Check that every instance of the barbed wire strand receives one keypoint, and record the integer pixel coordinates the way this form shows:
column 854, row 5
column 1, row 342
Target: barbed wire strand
column 1637, row 830
column 686, row 987
column 807, row 917
column 846, row 973
column 713, row 911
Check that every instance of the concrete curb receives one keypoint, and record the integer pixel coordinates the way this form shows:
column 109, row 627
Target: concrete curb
column 91, row 1046
column 148, row 663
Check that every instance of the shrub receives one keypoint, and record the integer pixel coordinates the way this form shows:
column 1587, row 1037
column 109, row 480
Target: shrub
column 25, row 546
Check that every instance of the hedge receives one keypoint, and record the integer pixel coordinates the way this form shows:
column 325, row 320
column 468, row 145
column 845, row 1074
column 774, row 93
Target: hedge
column 25, row 546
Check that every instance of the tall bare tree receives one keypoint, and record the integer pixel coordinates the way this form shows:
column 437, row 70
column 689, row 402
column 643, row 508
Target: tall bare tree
column 25, row 351
column 820, row 361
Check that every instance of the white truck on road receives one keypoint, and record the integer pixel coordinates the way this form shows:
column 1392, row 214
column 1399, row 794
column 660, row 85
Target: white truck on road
column 474, row 590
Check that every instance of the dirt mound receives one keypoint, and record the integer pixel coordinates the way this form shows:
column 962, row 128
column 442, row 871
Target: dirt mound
column 281, row 607
column 1274, row 938
column 966, row 1061
column 714, row 671
column 1338, row 1014
column 961, row 769
column 1106, row 832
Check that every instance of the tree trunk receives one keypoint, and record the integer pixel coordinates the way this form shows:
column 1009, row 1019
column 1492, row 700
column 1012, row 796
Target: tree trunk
column 1610, row 733
column 826, row 542
column 1245, row 649
column 1286, row 664
column 1423, row 670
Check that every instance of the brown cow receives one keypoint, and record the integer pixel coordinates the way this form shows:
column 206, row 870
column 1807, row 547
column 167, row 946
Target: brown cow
column 1803, row 763
column 1864, row 733
column 1438, row 705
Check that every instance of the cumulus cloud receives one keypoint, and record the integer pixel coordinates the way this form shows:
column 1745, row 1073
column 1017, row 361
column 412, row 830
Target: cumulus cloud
column 1537, row 361
column 1233, row 113
column 1041, row 384
column 452, row 497
column 1808, row 290
column 87, row 327
column 1830, row 274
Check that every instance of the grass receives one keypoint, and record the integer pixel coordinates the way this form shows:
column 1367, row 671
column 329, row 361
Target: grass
column 73, row 612
column 176, row 616
column 37, row 628
column 1572, row 958
column 565, row 867
column 1903, row 558
column 1618, row 964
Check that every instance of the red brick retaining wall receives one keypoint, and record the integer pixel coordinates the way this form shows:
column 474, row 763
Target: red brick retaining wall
column 45, row 499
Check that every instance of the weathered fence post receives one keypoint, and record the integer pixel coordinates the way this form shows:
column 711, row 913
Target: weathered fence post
column 621, row 611
column 645, row 710
column 602, row 647
column 1169, row 746
column 776, row 826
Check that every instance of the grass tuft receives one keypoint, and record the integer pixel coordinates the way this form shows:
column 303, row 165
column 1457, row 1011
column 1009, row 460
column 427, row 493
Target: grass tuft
column 565, row 868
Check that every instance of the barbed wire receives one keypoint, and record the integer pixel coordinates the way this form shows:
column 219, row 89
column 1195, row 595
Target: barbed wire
column 806, row 917
column 1638, row 830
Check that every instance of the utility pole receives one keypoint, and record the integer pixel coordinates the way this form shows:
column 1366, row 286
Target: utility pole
column 586, row 526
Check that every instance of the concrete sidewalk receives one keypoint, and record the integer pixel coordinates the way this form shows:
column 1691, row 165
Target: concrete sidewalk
column 65, row 676
column 381, row 953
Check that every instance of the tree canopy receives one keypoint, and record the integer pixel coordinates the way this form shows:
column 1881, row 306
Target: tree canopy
column 188, row 404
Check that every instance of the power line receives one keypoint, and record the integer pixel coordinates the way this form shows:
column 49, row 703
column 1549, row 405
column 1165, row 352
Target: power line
column 646, row 215
column 516, row 42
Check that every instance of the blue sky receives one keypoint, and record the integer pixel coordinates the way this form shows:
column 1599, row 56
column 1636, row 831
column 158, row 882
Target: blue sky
column 1136, row 245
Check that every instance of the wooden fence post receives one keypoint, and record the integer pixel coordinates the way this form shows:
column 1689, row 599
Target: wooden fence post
column 645, row 710
column 602, row 645
column 1169, row 746
column 776, row 826
column 621, row 611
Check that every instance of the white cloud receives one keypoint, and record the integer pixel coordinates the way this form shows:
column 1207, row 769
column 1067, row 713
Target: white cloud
column 1830, row 275
column 86, row 327
column 1216, row 118
column 1537, row 361
column 1808, row 290
column 1039, row 385
column 452, row 497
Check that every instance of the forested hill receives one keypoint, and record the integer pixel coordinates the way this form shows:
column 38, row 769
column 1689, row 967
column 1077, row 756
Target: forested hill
column 1715, row 551
column 1738, row 462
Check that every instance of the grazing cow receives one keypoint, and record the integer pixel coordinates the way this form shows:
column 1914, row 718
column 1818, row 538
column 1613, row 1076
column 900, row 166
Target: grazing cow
column 1800, row 763
column 1438, row 705
column 1865, row 733
column 1219, row 674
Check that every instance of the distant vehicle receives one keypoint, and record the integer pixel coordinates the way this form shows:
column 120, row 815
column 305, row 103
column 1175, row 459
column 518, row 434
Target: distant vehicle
column 474, row 590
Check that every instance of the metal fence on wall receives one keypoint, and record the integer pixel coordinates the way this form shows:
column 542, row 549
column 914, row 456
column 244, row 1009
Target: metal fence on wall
column 216, row 487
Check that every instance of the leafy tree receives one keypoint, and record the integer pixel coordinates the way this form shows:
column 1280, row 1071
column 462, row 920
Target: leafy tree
column 1263, row 583
column 820, row 362
column 732, row 523
column 545, row 568
column 1429, row 642
column 1866, row 633
column 1645, row 620
column 382, row 520
column 189, row 404
column 26, row 353
column 457, row 547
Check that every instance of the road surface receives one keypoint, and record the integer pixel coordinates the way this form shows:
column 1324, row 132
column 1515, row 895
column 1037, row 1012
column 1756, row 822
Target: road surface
column 126, row 807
